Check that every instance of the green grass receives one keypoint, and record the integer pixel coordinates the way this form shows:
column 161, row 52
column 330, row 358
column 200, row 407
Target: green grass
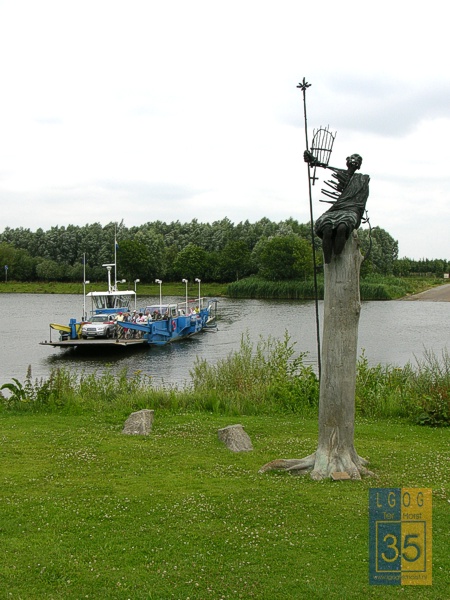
column 373, row 287
column 267, row 379
column 143, row 289
column 87, row 512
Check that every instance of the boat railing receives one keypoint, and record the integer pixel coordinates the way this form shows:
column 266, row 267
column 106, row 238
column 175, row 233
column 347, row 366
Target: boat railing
column 193, row 305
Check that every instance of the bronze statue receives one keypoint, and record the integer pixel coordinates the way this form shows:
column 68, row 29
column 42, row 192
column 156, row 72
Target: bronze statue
column 350, row 191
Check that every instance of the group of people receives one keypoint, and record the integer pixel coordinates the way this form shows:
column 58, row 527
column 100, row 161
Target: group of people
column 131, row 317
column 145, row 318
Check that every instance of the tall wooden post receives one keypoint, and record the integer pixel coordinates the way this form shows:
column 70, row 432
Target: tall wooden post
column 335, row 454
column 342, row 307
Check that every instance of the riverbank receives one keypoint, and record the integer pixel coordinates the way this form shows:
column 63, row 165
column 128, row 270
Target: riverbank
column 144, row 289
column 437, row 294
column 372, row 288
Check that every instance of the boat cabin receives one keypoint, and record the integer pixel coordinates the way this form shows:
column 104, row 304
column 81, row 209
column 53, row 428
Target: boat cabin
column 111, row 302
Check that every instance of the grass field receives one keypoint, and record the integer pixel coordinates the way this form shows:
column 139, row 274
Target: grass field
column 87, row 512
column 143, row 289
column 373, row 287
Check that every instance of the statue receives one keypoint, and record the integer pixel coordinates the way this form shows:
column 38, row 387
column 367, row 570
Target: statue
column 336, row 455
column 350, row 193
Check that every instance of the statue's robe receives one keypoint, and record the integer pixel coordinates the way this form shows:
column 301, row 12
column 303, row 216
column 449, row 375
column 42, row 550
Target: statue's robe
column 349, row 208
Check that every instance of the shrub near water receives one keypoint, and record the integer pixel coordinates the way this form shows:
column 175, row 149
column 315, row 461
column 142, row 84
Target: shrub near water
column 255, row 287
column 420, row 394
column 268, row 379
column 72, row 392
column 372, row 287
column 259, row 381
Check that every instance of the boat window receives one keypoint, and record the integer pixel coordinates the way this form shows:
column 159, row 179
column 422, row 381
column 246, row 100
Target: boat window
column 98, row 302
column 111, row 302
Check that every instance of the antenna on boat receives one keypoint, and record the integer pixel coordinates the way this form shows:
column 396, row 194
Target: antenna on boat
column 115, row 256
column 85, row 282
column 199, row 296
column 186, row 281
column 160, row 294
column 109, row 266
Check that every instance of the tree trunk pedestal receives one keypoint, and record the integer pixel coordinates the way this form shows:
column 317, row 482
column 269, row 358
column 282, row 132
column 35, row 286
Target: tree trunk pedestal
column 336, row 456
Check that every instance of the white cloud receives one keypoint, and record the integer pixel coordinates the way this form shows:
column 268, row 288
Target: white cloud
column 150, row 110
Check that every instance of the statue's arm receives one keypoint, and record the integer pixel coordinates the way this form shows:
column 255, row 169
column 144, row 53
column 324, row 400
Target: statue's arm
column 314, row 162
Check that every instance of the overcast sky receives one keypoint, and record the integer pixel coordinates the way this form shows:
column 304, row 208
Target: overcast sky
column 147, row 110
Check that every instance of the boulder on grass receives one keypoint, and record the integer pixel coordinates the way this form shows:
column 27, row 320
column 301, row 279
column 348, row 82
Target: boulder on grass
column 235, row 438
column 139, row 423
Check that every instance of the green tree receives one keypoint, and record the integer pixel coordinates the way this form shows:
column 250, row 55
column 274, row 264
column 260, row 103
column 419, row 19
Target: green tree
column 49, row 270
column 192, row 262
column 283, row 257
column 21, row 266
column 402, row 267
column 381, row 250
column 142, row 256
column 234, row 262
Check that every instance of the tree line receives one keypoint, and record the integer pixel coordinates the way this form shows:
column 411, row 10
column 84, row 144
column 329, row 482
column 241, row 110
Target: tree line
column 215, row 252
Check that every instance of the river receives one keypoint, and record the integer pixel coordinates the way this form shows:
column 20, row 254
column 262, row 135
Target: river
column 394, row 332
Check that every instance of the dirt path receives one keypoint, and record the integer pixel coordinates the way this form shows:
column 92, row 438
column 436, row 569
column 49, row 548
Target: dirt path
column 437, row 294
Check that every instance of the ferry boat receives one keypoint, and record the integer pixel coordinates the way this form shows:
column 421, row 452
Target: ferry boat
column 113, row 323
column 161, row 324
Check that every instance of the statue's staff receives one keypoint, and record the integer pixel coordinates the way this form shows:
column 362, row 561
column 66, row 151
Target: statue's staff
column 304, row 86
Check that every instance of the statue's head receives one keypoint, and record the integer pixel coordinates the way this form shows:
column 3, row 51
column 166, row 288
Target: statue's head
column 354, row 162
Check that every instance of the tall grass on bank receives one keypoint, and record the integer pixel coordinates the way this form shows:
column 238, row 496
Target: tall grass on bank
column 420, row 393
column 269, row 378
column 255, row 287
column 372, row 287
column 264, row 380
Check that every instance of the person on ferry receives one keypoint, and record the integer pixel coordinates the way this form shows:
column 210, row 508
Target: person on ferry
column 120, row 332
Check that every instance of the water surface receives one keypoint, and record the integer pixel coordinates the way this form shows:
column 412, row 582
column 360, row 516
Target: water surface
column 393, row 332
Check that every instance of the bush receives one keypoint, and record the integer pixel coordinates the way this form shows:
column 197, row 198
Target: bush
column 255, row 287
column 420, row 394
column 257, row 381
column 267, row 379
column 432, row 383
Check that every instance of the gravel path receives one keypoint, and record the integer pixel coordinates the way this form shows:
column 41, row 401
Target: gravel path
column 437, row 294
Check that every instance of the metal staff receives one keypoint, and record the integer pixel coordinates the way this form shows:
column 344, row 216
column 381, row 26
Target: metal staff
column 304, row 86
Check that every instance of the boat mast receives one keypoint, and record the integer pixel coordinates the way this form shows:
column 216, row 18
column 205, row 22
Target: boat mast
column 115, row 256
column 84, row 286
